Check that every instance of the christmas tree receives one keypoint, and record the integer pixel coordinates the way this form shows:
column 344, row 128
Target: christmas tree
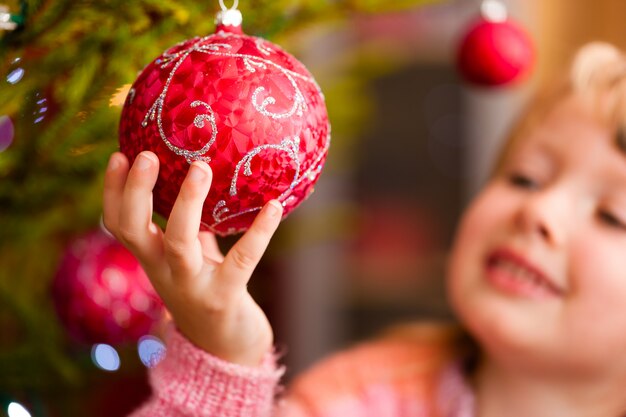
column 64, row 65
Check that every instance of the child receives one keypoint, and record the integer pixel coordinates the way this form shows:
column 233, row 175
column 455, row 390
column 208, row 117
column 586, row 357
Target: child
column 536, row 276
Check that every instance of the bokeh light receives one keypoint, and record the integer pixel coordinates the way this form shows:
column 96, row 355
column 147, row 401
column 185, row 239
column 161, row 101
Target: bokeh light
column 7, row 132
column 40, row 111
column 17, row 410
column 151, row 350
column 105, row 357
column 15, row 76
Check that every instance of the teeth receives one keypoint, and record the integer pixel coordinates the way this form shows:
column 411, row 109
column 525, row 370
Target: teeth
column 520, row 273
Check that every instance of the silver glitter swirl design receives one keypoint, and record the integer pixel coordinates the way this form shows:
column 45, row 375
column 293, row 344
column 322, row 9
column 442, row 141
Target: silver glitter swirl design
column 221, row 212
column 291, row 146
column 316, row 167
column 299, row 104
column 298, row 107
column 156, row 110
column 250, row 62
column 261, row 47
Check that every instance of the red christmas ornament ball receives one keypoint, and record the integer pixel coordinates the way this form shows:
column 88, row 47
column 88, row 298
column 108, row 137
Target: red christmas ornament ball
column 242, row 104
column 101, row 293
column 494, row 53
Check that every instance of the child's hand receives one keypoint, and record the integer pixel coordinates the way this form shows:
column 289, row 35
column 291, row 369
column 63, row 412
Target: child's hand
column 204, row 291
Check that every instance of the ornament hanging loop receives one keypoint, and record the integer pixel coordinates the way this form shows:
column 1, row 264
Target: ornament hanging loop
column 229, row 20
column 492, row 10
column 234, row 6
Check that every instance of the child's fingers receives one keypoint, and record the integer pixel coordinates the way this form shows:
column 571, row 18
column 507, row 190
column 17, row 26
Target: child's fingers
column 210, row 248
column 244, row 256
column 135, row 219
column 182, row 246
column 114, row 180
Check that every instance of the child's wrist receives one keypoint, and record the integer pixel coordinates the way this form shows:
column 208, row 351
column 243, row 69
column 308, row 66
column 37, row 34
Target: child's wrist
column 251, row 358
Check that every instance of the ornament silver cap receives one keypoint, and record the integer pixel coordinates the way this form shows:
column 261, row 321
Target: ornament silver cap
column 493, row 10
column 229, row 16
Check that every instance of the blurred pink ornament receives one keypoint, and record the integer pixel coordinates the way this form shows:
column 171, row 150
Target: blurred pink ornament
column 7, row 132
column 243, row 105
column 101, row 293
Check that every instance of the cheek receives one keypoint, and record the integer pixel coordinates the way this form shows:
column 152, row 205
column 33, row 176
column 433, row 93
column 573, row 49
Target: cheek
column 597, row 304
column 487, row 218
column 598, row 276
column 482, row 223
column 487, row 223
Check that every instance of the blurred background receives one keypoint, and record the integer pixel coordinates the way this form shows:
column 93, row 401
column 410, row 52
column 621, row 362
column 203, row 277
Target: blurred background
column 411, row 144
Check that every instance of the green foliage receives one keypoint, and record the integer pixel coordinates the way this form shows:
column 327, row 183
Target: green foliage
column 76, row 54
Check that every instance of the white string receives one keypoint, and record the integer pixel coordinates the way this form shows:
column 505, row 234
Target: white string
column 235, row 4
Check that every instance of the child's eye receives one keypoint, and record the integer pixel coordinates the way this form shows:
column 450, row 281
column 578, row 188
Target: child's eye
column 611, row 220
column 522, row 181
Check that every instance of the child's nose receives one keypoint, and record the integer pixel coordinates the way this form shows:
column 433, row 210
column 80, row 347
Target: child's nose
column 544, row 214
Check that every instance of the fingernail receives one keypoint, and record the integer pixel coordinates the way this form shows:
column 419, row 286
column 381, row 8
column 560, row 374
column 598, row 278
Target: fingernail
column 114, row 162
column 196, row 173
column 143, row 162
column 274, row 208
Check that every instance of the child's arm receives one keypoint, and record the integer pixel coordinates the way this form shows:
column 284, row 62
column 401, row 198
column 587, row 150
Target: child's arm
column 204, row 291
column 190, row 382
column 219, row 360
column 219, row 356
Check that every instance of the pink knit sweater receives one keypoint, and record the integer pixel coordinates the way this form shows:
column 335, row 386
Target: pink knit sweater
column 396, row 376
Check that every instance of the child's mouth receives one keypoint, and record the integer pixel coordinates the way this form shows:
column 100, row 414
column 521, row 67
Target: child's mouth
column 512, row 274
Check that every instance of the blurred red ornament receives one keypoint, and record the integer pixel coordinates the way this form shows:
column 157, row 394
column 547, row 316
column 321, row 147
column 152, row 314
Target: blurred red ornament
column 101, row 293
column 240, row 103
column 495, row 50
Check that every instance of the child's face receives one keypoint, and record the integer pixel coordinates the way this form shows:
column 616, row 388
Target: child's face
column 538, row 270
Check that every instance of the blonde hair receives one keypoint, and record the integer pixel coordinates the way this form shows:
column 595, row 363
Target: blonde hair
column 598, row 74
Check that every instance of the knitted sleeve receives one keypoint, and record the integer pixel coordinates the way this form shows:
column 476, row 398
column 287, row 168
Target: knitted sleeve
column 193, row 383
column 394, row 376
